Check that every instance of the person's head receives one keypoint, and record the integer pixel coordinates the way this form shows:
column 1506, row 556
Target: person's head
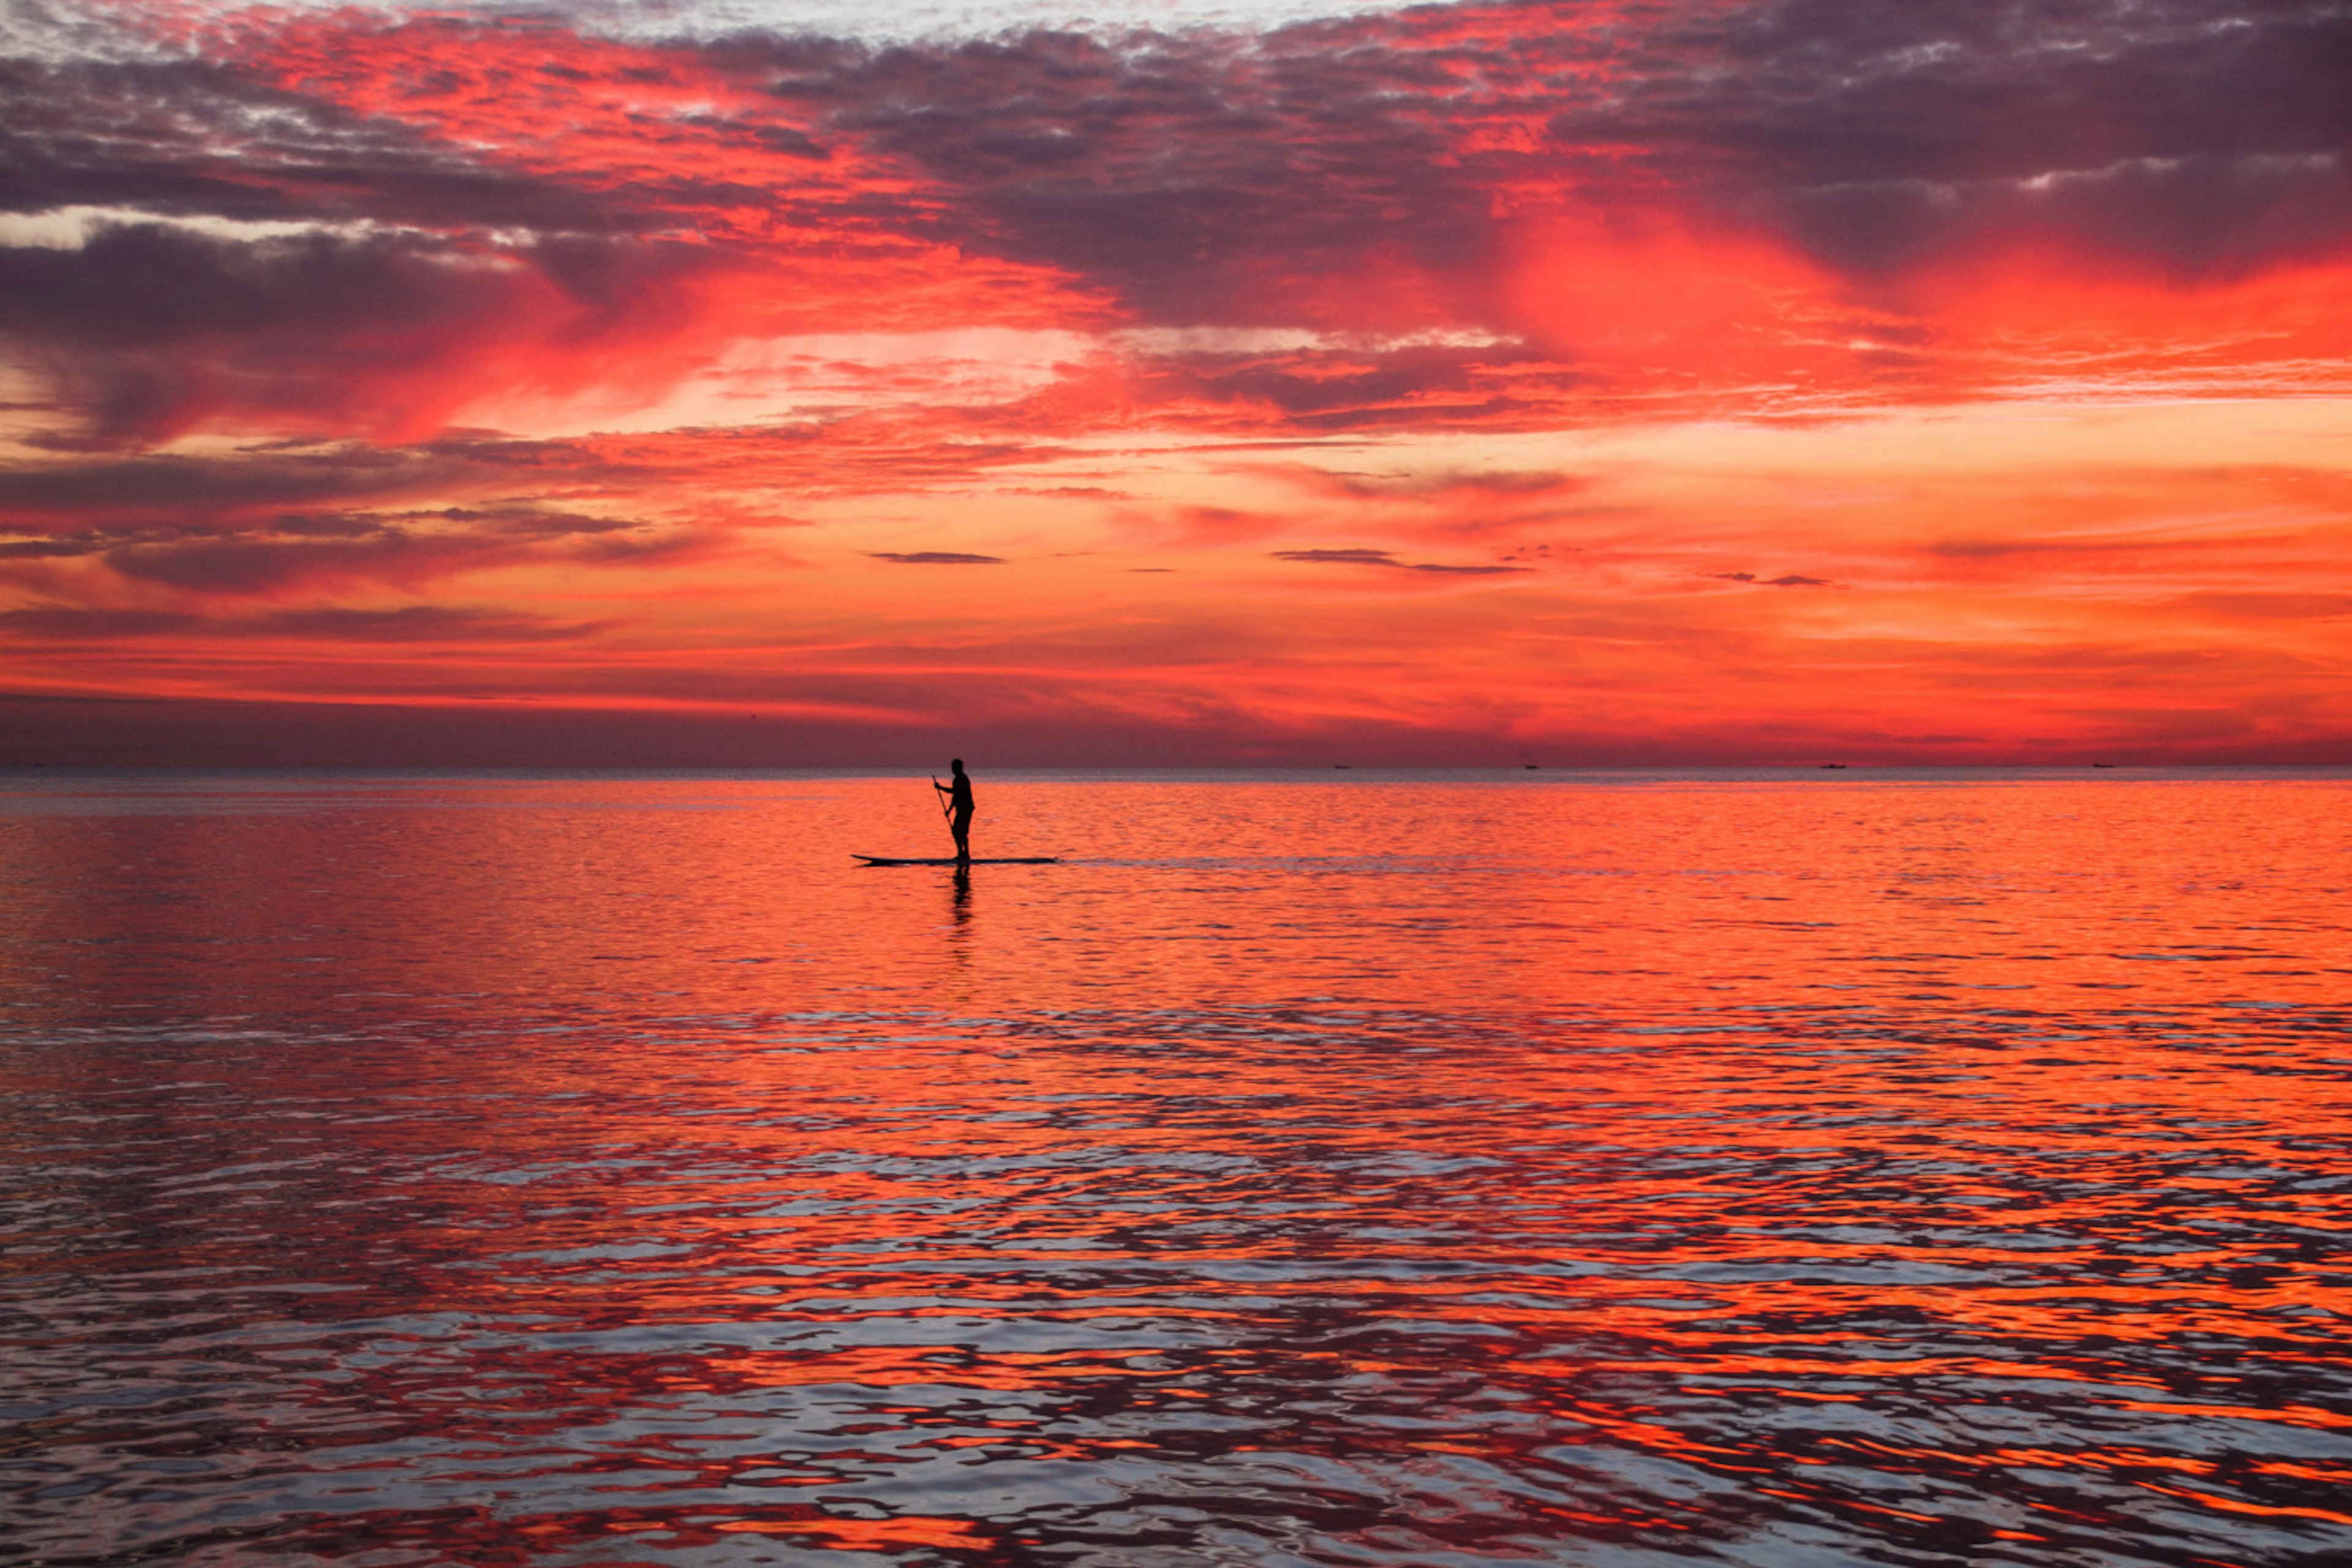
column 955, row 765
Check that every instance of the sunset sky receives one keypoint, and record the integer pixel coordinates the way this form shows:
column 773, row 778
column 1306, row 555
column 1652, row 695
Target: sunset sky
column 771, row 383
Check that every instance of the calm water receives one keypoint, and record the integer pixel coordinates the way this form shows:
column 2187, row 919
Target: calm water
column 1783, row 1170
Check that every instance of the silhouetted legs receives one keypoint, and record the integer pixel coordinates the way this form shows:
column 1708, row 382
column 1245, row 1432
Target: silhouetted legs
column 961, row 828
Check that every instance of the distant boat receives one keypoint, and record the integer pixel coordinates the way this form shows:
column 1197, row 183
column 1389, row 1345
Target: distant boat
column 952, row 860
column 1343, row 764
column 1832, row 765
column 1531, row 766
column 2102, row 764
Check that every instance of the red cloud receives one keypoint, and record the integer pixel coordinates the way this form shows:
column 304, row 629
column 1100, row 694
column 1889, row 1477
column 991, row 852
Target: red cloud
column 333, row 236
column 1610, row 198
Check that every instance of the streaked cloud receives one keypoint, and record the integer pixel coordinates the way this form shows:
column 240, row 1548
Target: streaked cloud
column 1384, row 558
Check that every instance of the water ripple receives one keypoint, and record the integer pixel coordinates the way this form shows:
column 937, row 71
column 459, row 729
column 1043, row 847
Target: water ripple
column 1280, row 1208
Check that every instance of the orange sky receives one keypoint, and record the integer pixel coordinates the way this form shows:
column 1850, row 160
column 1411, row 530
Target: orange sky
column 1585, row 383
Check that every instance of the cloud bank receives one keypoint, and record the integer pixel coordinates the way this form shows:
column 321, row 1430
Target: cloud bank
column 460, row 325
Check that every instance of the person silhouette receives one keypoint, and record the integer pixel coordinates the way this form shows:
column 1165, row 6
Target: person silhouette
column 958, row 805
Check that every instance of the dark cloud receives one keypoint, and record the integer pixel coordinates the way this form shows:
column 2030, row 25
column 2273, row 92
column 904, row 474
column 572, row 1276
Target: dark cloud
column 132, row 284
column 1336, row 389
column 177, row 487
column 935, row 558
column 1789, row 581
column 260, row 561
column 1175, row 168
column 1374, row 173
column 1386, row 558
column 2196, row 132
column 1157, row 160
column 338, row 501
column 193, row 136
column 67, row 625
column 241, row 565
column 224, row 540
column 1341, row 557
column 153, row 326
column 1221, row 178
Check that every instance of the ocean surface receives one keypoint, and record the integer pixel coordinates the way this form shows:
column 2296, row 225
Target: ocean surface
column 1791, row 1169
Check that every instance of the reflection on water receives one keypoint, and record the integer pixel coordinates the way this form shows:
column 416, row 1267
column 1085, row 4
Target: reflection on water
column 1614, row 1172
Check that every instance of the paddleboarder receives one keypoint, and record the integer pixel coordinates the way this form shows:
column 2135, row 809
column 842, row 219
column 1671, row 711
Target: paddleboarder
column 957, row 805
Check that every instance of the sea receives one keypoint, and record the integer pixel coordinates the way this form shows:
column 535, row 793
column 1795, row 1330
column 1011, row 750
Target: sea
column 1785, row 1168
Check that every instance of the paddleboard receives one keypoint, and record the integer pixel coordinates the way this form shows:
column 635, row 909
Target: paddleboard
column 950, row 860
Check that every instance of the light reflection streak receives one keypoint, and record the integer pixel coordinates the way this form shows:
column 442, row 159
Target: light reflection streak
column 593, row 1175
